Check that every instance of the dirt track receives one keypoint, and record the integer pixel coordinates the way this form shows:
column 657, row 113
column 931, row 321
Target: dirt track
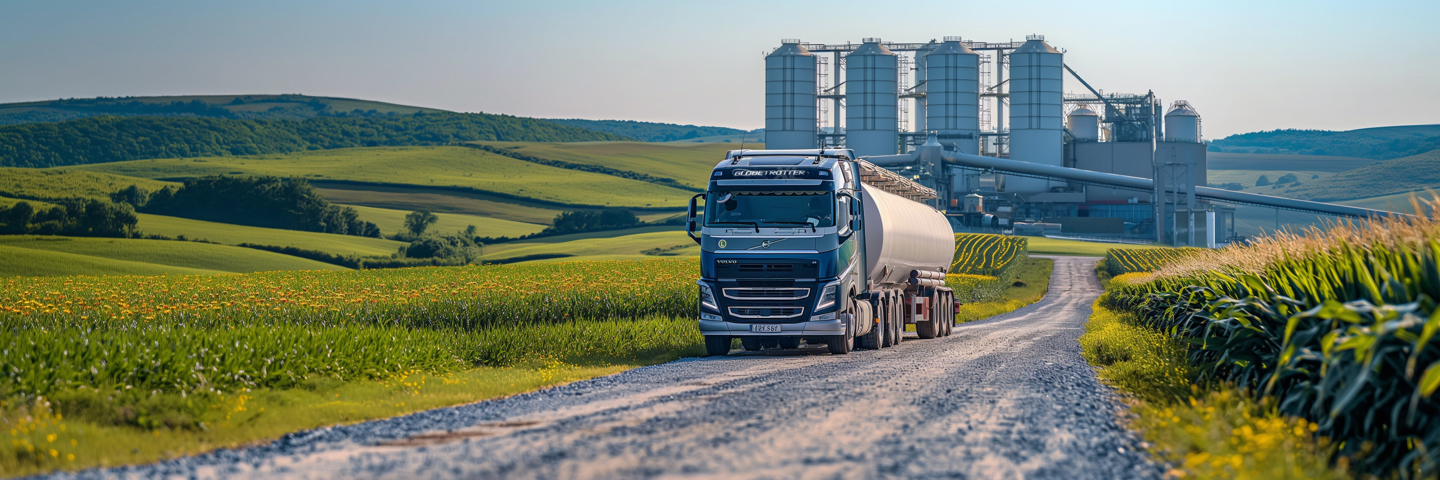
column 1007, row 397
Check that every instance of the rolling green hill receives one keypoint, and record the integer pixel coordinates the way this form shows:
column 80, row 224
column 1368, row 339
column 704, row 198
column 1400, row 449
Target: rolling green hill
column 460, row 168
column 114, row 139
column 270, row 107
column 613, row 245
column 391, row 221
column 1286, row 162
column 1401, row 175
column 688, row 163
column 1381, row 143
column 649, row 131
column 51, row 184
column 229, row 234
column 28, row 255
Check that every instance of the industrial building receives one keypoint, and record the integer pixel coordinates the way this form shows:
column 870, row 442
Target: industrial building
column 885, row 100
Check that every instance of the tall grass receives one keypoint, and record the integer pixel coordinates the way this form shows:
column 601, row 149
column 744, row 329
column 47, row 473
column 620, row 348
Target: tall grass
column 1338, row 326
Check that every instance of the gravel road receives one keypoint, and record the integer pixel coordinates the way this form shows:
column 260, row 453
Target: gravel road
column 1006, row 397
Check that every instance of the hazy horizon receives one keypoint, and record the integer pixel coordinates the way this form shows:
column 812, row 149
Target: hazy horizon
column 1245, row 66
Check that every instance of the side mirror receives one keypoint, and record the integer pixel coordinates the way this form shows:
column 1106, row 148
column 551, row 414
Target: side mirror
column 855, row 223
column 690, row 218
column 845, row 218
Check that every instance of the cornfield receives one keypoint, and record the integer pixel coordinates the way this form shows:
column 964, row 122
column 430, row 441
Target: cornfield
column 1339, row 326
column 207, row 333
column 984, row 254
column 1120, row 261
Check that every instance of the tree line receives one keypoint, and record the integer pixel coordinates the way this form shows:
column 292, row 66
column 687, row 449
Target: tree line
column 75, row 217
column 1373, row 143
column 258, row 201
column 115, row 139
column 651, row 131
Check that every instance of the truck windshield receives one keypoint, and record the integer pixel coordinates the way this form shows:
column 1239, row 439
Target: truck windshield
column 770, row 208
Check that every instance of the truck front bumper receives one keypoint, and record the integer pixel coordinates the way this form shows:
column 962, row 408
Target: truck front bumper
column 711, row 324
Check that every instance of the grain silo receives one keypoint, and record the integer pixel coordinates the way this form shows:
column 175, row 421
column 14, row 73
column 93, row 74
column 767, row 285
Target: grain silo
column 790, row 115
column 952, row 95
column 1182, row 123
column 1036, row 133
column 1084, row 125
column 871, row 100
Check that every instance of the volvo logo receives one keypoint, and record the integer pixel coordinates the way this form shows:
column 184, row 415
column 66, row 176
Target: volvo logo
column 767, row 243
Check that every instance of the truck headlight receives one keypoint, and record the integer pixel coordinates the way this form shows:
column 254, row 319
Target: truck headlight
column 827, row 296
column 707, row 298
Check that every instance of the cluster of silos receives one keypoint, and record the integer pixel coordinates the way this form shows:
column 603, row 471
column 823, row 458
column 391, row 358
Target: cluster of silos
column 1036, row 107
column 790, row 116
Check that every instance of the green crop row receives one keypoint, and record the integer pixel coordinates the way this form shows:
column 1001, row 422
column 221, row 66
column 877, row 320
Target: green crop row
column 1119, row 261
column 985, row 254
column 1338, row 327
column 200, row 333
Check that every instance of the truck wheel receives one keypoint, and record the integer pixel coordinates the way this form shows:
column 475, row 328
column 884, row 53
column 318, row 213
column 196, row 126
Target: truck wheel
column 898, row 321
column 717, row 346
column 751, row 344
column 878, row 333
column 928, row 329
column 789, row 342
column 949, row 309
column 840, row 344
column 887, row 318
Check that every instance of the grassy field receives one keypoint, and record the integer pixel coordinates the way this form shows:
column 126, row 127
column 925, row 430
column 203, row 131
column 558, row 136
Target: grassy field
column 285, row 351
column 27, row 255
column 1054, row 246
column 438, row 200
column 47, row 183
column 236, row 234
column 1247, row 178
column 612, row 245
column 1399, row 202
column 1033, row 272
column 391, row 221
column 1401, row 175
column 1279, row 162
column 689, row 163
column 454, row 167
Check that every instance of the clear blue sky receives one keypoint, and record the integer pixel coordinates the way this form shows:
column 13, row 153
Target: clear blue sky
column 1245, row 65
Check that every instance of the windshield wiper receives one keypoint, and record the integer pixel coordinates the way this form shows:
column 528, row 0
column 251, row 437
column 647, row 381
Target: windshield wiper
column 753, row 225
column 803, row 224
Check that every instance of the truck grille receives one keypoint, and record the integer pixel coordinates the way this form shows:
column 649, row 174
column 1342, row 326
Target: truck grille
column 744, row 293
column 766, row 312
column 767, row 269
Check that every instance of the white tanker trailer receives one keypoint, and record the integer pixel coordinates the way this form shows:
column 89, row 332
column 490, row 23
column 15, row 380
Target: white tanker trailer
column 820, row 247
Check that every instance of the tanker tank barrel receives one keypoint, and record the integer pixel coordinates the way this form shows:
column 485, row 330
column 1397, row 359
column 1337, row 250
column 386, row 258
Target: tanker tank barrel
column 927, row 274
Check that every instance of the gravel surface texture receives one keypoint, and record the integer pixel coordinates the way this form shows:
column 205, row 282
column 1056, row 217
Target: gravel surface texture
column 1005, row 397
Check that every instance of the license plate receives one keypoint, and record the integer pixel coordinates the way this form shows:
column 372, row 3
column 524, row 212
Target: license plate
column 765, row 328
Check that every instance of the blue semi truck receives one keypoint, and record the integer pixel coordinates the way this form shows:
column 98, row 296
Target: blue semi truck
column 818, row 246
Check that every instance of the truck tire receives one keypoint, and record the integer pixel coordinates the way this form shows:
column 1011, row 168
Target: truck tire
column 875, row 339
column 949, row 308
column 717, row 346
column 887, row 318
column 928, row 329
column 899, row 322
column 840, row 344
column 789, row 342
column 751, row 344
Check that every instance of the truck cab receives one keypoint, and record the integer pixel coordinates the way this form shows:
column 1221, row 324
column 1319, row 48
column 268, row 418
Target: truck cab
column 780, row 234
